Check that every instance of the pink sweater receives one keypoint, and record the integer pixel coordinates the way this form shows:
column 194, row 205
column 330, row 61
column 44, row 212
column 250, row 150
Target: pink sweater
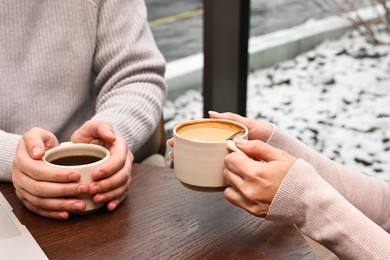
column 347, row 212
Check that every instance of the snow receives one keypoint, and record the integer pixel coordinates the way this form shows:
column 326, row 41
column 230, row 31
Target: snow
column 335, row 98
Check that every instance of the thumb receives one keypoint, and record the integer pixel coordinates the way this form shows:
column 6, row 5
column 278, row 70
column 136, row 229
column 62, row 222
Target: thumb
column 37, row 141
column 94, row 131
column 259, row 150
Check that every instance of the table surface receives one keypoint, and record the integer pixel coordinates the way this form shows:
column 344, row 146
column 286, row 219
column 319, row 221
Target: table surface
column 162, row 219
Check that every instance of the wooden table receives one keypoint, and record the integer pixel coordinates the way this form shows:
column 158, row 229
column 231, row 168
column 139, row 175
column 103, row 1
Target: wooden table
column 162, row 219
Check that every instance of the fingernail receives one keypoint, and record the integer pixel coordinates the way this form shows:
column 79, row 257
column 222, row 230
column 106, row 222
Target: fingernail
column 238, row 140
column 36, row 150
column 113, row 205
column 82, row 188
column 99, row 198
column 100, row 175
column 111, row 133
column 95, row 189
column 213, row 112
column 63, row 215
column 78, row 206
column 73, row 177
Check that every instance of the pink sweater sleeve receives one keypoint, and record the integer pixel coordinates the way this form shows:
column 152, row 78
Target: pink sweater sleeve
column 344, row 211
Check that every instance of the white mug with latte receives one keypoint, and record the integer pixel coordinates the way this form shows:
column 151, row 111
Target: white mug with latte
column 200, row 148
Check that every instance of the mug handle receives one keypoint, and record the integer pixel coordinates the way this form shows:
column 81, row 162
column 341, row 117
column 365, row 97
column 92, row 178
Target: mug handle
column 232, row 147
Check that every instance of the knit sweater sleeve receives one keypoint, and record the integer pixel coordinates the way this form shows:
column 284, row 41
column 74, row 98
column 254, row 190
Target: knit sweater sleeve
column 130, row 71
column 320, row 212
column 370, row 195
column 7, row 153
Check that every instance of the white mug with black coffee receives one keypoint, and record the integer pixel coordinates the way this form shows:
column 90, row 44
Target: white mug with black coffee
column 82, row 157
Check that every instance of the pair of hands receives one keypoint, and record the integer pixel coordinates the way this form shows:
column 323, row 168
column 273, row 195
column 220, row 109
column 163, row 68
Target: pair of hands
column 48, row 190
column 254, row 178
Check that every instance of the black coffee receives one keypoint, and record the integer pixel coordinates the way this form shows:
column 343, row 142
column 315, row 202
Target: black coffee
column 75, row 160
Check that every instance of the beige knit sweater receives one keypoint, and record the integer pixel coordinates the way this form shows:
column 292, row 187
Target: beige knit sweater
column 347, row 212
column 63, row 62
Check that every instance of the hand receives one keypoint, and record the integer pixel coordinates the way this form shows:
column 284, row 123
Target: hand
column 258, row 130
column 255, row 183
column 42, row 187
column 111, row 179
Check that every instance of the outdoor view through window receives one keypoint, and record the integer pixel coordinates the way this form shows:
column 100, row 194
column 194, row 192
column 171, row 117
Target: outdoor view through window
column 177, row 25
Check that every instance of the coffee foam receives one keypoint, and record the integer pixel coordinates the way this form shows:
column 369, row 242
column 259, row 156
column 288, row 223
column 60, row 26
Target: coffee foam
column 208, row 131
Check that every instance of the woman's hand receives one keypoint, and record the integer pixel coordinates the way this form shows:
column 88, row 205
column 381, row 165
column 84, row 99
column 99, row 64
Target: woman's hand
column 255, row 178
column 111, row 179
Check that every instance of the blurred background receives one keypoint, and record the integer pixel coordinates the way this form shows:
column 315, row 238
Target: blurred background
column 339, row 85
column 177, row 25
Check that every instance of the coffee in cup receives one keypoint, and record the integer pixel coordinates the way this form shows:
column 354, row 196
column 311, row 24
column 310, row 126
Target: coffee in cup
column 82, row 157
column 200, row 148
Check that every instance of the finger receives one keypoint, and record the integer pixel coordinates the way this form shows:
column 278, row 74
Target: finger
column 37, row 169
column 94, row 131
column 37, row 141
column 236, row 181
column 170, row 142
column 240, row 164
column 40, row 171
column 112, row 205
column 259, row 150
column 106, row 132
column 257, row 129
column 119, row 153
column 50, row 188
column 234, row 197
column 52, row 203
column 113, row 187
column 230, row 116
column 60, row 215
column 50, row 207
column 238, row 199
column 113, row 197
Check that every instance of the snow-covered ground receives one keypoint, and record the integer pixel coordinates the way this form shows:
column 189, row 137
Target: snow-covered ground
column 335, row 98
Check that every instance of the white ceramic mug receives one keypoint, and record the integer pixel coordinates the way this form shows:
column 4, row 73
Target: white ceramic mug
column 200, row 147
column 93, row 155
